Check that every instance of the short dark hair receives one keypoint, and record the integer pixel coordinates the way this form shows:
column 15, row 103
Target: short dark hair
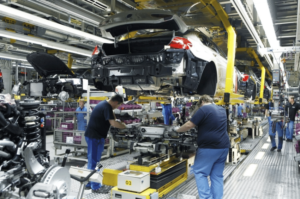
column 117, row 98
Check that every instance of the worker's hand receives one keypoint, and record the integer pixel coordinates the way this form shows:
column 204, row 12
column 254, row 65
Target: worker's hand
column 173, row 133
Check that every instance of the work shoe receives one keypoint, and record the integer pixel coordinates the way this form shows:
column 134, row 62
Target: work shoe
column 273, row 148
column 87, row 187
column 278, row 150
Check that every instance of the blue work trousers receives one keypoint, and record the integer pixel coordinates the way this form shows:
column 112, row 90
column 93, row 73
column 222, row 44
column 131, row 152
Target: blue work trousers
column 94, row 150
column 272, row 134
column 210, row 162
column 289, row 130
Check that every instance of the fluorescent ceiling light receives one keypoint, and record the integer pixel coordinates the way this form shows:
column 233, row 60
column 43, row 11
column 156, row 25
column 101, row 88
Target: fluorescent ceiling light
column 259, row 155
column 45, row 43
column 12, row 57
column 264, row 14
column 239, row 7
column 250, row 170
column 38, row 21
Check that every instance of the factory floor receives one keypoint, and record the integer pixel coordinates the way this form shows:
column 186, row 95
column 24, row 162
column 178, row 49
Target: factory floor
column 265, row 174
column 262, row 174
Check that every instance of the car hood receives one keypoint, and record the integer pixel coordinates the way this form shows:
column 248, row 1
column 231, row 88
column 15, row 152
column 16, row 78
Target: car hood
column 46, row 64
column 129, row 21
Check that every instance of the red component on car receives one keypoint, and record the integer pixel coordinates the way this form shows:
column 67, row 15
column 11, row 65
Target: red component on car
column 0, row 74
column 181, row 43
column 245, row 78
column 96, row 51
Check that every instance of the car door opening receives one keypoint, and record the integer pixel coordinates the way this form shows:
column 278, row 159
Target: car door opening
column 208, row 82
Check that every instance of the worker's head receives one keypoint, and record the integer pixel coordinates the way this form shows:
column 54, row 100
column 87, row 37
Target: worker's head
column 291, row 99
column 81, row 103
column 115, row 101
column 205, row 99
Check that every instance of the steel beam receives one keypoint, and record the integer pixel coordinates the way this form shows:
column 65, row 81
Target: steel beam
column 287, row 7
column 286, row 21
column 280, row 49
column 222, row 2
column 61, row 9
column 239, row 7
column 41, row 22
column 297, row 55
column 287, row 35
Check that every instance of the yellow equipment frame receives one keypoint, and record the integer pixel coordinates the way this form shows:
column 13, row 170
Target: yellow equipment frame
column 251, row 52
column 218, row 9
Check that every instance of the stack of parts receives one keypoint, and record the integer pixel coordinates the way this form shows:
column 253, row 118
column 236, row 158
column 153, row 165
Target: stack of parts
column 129, row 107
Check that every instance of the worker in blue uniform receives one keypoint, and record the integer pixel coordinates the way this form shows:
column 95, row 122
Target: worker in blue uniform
column 167, row 114
column 81, row 122
column 213, row 147
column 100, row 121
column 274, row 126
column 240, row 108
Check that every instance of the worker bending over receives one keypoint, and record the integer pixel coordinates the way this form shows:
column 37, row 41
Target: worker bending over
column 101, row 119
column 213, row 147
column 292, row 107
column 81, row 122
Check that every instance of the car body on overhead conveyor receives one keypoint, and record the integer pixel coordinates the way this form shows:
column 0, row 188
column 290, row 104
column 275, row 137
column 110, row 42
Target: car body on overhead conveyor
column 155, row 52
column 251, row 88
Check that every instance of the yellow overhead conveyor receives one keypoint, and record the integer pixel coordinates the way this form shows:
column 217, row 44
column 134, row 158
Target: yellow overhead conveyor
column 216, row 9
column 213, row 8
column 251, row 52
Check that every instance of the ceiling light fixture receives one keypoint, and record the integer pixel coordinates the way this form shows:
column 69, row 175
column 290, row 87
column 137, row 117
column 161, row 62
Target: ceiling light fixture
column 264, row 14
column 45, row 43
column 38, row 21
column 240, row 8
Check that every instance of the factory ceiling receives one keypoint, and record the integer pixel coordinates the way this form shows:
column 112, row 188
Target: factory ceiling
column 85, row 16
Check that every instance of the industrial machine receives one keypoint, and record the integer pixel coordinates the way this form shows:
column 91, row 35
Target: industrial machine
column 162, row 164
column 164, row 59
column 21, row 146
column 50, row 68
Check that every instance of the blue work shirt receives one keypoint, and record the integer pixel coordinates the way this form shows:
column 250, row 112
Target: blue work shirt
column 98, row 125
column 212, row 127
column 167, row 113
column 81, row 122
column 240, row 108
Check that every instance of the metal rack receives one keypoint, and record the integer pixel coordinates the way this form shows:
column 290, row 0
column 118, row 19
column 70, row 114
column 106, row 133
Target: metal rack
column 72, row 138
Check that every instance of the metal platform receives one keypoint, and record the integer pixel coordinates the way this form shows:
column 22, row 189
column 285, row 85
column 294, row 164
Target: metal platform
column 276, row 174
column 118, row 163
column 188, row 188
